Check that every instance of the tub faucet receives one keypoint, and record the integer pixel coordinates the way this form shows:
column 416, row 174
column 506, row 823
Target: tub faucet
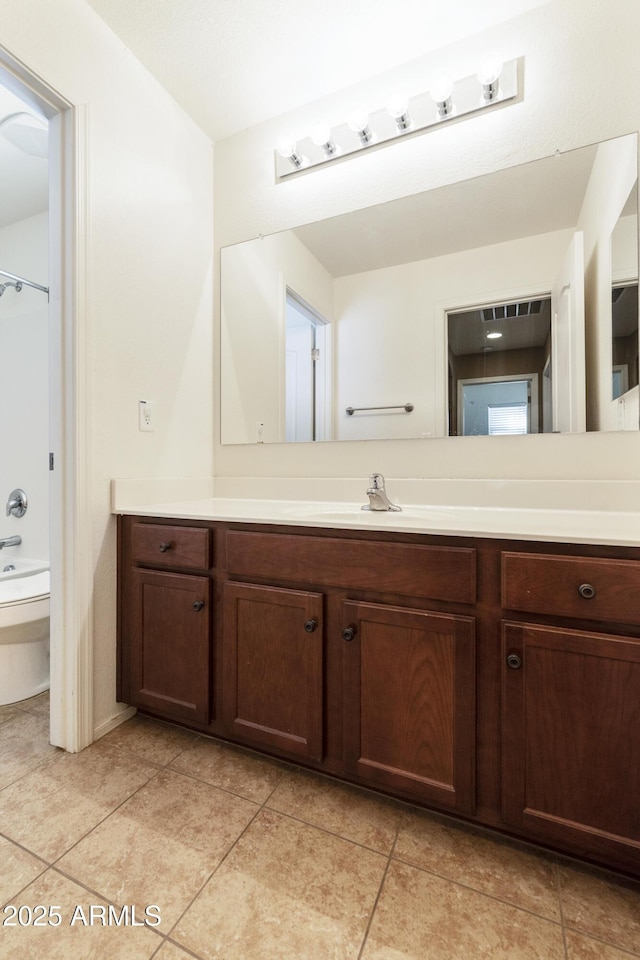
column 378, row 499
column 17, row 503
column 10, row 542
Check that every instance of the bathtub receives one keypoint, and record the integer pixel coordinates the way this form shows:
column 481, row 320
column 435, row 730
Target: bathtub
column 24, row 628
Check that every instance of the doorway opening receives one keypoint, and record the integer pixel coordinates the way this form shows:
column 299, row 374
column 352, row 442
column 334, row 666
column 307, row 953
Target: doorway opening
column 66, row 460
column 497, row 355
column 307, row 371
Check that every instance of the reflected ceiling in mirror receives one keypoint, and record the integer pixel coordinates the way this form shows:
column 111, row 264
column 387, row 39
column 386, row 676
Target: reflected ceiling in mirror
column 376, row 288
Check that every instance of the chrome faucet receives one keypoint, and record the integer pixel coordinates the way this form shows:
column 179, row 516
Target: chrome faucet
column 378, row 499
column 10, row 542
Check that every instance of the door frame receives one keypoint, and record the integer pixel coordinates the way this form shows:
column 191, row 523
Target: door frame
column 70, row 524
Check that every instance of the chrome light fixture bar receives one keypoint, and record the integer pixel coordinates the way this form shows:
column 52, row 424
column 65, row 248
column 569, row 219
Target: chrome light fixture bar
column 493, row 85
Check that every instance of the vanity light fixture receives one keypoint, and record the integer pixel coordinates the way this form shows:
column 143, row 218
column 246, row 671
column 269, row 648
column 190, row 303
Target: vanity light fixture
column 494, row 336
column 494, row 85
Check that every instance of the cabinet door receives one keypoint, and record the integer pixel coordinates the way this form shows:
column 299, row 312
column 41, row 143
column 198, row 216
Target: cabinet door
column 410, row 702
column 571, row 739
column 273, row 653
column 170, row 645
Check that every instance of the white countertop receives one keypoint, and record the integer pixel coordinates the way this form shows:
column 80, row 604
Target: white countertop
column 617, row 528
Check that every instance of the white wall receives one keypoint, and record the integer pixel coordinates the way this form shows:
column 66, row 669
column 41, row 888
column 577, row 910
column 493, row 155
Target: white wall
column 24, row 387
column 615, row 171
column 149, row 280
column 252, row 332
column 390, row 328
column 569, row 46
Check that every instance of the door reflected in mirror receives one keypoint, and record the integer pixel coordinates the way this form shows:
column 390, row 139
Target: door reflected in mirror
column 497, row 360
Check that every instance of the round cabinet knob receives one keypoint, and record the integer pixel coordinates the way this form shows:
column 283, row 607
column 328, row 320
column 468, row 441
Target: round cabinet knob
column 198, row 605
column 310, row 625
column 165, row 546
column 514, row 661
column 587, row 591
column 348, row 633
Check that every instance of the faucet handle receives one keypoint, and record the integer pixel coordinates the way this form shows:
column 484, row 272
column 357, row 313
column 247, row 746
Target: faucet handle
column 376, row 481
column 17, row 503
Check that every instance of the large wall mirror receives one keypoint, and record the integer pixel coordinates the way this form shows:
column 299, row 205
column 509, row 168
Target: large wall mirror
column 503, row 304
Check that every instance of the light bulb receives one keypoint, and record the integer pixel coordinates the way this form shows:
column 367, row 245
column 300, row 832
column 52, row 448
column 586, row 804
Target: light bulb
column 494, row 336
column 398, row 108
column 289, row 151
column 490, row 70
column 321, row 136
column 441, row 92
column 359, row 123
column 488, row 76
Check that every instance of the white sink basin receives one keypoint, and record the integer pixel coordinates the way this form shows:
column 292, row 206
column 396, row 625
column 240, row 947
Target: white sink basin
column 347, row 513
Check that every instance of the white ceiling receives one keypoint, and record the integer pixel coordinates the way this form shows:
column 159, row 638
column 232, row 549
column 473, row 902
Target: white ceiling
column 235, row 63
column 522, row 201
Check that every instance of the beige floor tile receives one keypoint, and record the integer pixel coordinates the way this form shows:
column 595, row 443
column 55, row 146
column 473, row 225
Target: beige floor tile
column 50, row 809
column 161, row 845
column 580, row 947
column 287, row 891
column 153, row 740
column 172, row 952
column 41, row 704
column 423, row 917
column 596, row 903
column 77, row 941
column 351, row 813
column 7, row 711
column 490, row 865
column 18, row 869
column 24, row 745
column 231, row 769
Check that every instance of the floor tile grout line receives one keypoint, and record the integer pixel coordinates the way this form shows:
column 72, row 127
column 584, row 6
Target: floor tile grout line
column 560, row 907
column 215, row 870
column 101, row 896
column 379, row 894
column 331, row 833
column 483, row 893
column 57, row 860
column 600, row 939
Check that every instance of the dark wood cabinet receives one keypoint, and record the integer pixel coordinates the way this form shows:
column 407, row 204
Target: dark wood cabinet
column 497, row 680
column 169, row 672
column 571, row 739
column 273, row 668
column 409, row 718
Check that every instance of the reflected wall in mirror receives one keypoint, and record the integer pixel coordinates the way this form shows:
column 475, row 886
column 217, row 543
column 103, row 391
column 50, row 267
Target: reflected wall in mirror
column 624, row 298
column 393, row 289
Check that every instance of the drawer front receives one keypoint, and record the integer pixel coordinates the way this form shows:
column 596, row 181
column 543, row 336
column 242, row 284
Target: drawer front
column 166, row 546
column 584, row 587
column 440, row 573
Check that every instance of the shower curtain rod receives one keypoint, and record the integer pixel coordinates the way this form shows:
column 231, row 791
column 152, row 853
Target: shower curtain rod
column 29, row 283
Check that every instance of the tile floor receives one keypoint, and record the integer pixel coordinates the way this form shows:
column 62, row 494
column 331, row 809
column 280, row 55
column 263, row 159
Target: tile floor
column 249, row 859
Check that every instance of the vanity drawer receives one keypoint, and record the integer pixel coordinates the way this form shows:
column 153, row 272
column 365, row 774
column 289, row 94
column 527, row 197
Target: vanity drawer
column 163, row 545
column 441, row 573
column 584, row 587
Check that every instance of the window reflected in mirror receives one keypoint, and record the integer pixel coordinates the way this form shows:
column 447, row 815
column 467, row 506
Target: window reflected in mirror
column 499, row 369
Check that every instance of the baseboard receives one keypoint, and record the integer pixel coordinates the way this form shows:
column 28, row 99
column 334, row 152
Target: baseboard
column 108, row 725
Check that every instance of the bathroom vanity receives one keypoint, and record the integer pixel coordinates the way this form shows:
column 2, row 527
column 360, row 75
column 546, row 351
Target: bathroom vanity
column 485, row 676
